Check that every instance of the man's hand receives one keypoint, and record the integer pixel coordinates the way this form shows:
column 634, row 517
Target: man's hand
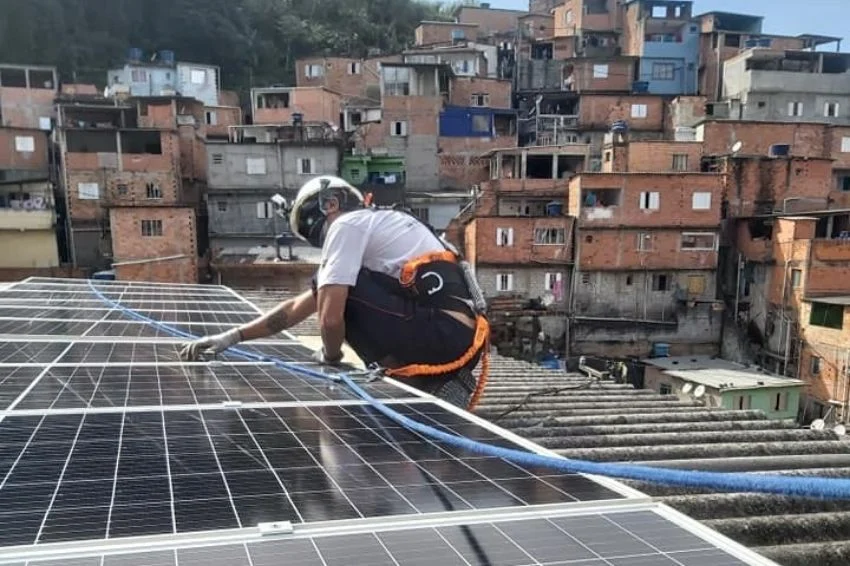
column 210, row 345
column 320, row 357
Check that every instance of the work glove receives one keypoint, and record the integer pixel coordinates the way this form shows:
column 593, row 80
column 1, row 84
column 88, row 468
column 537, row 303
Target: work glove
column 320, row 357
column 210, row 345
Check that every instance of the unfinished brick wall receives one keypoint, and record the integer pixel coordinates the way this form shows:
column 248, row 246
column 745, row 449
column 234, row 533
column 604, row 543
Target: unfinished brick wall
column 12, row 158
column 460, row 171
column 224, row 118
column 620, row 75
column 761, row 184
column 617, row 249
column 831, row 346
column 482, row 231
column 537, row 26
column 463, row 88
column 422, row 114
column 440, row 33
column 806, row 140
column 317, row 104
column 178, row 238
column 599, row 111
column 338, row 75
column 835, row 136
column 652, row 157
column 489, row 20
column 24, row 107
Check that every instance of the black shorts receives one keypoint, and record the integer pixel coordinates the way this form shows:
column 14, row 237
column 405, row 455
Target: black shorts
column 382, row 322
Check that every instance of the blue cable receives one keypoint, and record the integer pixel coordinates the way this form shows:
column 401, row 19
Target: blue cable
column 814, row 487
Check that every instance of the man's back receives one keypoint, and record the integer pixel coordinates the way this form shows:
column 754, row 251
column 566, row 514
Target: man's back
column 379, row 240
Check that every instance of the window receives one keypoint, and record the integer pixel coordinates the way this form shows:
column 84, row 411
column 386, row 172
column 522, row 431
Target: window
column 396, row 81
column 152, row 191
column 659, row 11
column 827, row 316
column 88, row 191
column 845, row 144
column 780, row 401
column 422, row 213
column 600, row 71
column 217, row 158
column 553, row 281
column 45, row 123
column 742, row 402
column 463, row 66
column 198, row 76
column 354, row 68
column 795, row 108
column 122, row 189
column 265, row 209
column 696, row 285
column 701, row 201
column 549, row 236
column 505, row 282
column 212, row 118
column 255, row 165
column 139, row 76
column 663, row 71
column 569, row 17
column 481, row 123
column 680, row 162
column 398, row 129
column 638, row 110
column 650, row 201
column 504, row 237
column 830, row 109
column 222, row 206
column 151, row 228
column 796, row 278
column 479, row 100
column 458, row 35
column 665, row 389
column 814, row 365
column 25, row 144
column 644, row 242
column 314, row 71
column 306, row 166
column 698, row 241
column 660, row 282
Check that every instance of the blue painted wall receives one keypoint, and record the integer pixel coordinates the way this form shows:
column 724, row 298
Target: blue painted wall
column 175, row 78
column 457, row 122
column 684, row 56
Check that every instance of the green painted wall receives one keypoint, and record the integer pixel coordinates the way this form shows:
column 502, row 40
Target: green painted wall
column 764, row 399
column 356, row 168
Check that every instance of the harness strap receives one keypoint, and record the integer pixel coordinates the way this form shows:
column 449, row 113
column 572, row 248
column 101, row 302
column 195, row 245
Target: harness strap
column 407, row 277
column 480, row 343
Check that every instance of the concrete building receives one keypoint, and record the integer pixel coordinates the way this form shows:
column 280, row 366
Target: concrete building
column 28, row 224
column 666, row 39
column 782, row 85
column 825, row 356
column 724, row 385
column 26, row 96
column 257, row 163
column 162, row 75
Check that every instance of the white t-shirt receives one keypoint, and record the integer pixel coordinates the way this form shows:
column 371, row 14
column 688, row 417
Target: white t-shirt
column 379, row 240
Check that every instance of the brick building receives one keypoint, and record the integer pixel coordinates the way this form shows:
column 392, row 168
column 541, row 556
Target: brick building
column 277, row 105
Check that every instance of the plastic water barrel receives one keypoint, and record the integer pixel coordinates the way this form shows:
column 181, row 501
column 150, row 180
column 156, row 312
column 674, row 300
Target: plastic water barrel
column 166, row 57
column 135, row 54
column 660, row 350
column 554, row 209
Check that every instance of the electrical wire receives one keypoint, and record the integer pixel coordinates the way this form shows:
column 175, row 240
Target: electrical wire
column 812, row 487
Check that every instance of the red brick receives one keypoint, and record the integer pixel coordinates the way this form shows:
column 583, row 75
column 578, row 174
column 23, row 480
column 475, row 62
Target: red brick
column 463, row 88
column 11, row 158
column 440, row 33
column 599, row 111
column 317, row 104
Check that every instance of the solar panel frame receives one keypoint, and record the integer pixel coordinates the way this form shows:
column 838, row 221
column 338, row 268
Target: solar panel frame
column 76, row 468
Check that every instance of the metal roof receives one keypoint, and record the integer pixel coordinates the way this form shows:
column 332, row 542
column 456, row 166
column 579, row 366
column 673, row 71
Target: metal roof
column 718, row 373
column 606, row 421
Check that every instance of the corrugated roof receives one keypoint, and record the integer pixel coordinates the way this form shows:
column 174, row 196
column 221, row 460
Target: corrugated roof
column 605, row 421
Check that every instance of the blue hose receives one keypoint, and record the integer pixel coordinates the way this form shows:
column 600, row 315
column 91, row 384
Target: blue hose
column 814, row 487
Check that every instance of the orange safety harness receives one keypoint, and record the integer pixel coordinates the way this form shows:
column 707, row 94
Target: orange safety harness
column 480, row 341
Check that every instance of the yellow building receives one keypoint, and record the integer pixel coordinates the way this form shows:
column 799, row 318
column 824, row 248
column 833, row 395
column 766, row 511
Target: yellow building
column 27, row 225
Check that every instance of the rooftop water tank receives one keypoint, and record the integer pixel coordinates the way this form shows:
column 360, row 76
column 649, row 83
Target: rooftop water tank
column 660, row 350
column 166, row 57
column 135, row 54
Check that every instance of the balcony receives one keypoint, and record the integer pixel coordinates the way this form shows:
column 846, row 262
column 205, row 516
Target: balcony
column 16, row 219
column 837, row 250
column 555, row 187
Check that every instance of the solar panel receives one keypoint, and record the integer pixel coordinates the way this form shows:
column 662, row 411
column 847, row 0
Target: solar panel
column 107, row 437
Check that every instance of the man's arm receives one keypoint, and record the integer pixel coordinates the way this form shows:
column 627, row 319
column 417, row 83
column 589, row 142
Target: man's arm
column 286, row 315
column 331, row 306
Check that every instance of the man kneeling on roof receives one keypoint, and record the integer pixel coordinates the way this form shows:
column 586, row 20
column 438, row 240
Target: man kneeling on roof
column 389, row 286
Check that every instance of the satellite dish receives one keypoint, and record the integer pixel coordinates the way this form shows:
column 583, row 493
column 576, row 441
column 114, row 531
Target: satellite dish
column 548, row 299
column 737, row 146
column 818, row 424
column 840, row 430
column 699, row 391
column 686, row 388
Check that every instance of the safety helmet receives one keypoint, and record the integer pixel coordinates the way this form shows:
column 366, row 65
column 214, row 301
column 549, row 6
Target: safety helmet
column 307, row 216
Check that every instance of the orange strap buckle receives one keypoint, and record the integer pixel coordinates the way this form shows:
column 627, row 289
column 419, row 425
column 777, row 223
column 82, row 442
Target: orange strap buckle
column 408, row 273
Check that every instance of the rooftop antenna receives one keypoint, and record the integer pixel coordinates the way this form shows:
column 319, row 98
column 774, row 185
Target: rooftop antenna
column 699, row 391
column 818, row 424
